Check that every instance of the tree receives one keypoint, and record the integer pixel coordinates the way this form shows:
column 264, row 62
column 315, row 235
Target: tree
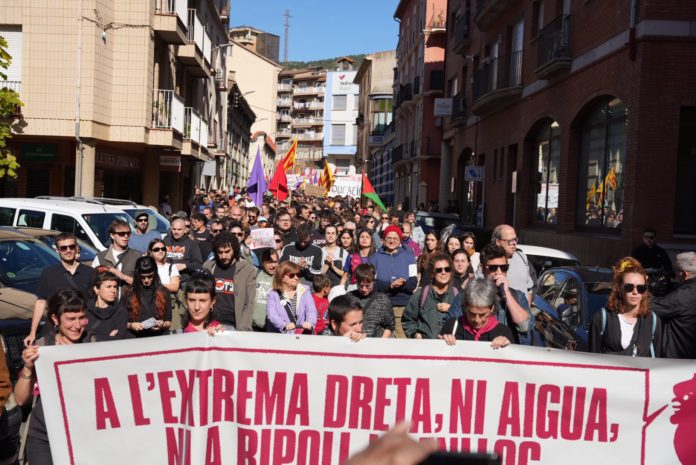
column 9, row 103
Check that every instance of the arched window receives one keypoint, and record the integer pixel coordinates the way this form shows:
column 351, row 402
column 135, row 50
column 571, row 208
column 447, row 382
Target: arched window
column 601, row 168
column 547, row 159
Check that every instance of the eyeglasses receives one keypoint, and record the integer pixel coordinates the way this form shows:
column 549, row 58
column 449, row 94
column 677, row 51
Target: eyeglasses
column 158, row 249
column 65, row 248
column 142, row 220
column 503, row 268
column 278, row 241
column 641, row 288
column 445, row 269
column 385, row 217
column 514, row 240
column 122, row 233
column 215, row 230
column 239, row 234
column 292, row 275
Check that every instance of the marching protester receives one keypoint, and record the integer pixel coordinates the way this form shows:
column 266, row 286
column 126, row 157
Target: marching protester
column 167, row 272
column 469, row 244
column 182, row 251
column 290, row 307
column 107, row 319
column 68, row 274
column 334, row 257
column 433, row 304
column 200, row 300
column 408, row 240
column 417, row 232
column 235, row 283
column 66, row 315
column 479, row 322
column 285, row 227
column 147, row 301
column 677, row 310
column 462, row 272
column 307, row 256
column 141, row 237
column 520, row 273
column 453, row 243
column 200, row 233
column 627, row 326
column 119, row 259
column 347, row 240
column 264, row 284
column 396, row 273
column 377, row 308
column 362, row 253
column 433, row 247
column 320, row 293
column 346, row 318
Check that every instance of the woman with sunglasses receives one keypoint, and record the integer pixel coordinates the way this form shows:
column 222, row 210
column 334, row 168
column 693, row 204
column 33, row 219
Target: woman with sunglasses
column 627, row 326
column 147, row 301
column 432, row 305
column 278, row 238
column 167, row 272
column 290, row 307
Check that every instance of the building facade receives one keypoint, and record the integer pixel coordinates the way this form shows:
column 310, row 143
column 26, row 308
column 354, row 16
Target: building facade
column 128, row 101
column 240, row 118
column 583, row 147
column 418, row 80
column 340, row 117
column 257, row 78
column 375, row 129
column 263, row 43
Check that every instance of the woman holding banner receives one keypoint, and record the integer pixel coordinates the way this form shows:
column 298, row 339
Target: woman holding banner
column 200, row 300
column 290, row 306
column 627, row 326
column 67, row 314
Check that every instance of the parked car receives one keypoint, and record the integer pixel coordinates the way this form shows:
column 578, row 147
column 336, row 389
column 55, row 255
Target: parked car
column 89, row 221
column 87, row 252
column 543, row 258
column 572, row 295
column 429, row 221
column 156, row 222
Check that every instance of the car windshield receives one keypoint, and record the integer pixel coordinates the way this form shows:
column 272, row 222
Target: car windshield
column 157, row 221
column 99, row 223
column 22, row 261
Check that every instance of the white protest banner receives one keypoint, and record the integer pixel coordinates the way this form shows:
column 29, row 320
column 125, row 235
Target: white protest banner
column 347, row 186
column 262, row 238
column 265, row 399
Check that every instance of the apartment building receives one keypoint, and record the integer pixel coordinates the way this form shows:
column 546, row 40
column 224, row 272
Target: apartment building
column 419, row 79
column 301, row 114
column 261, row 42
column 240, row 118
column 375, row 76
column 340, row 117
column 257, row 78
column 567, row 105
column 127, row 99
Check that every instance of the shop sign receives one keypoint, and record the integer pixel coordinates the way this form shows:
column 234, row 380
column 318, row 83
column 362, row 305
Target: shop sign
column 170, row 162
column 39, row 152
column 112, row 160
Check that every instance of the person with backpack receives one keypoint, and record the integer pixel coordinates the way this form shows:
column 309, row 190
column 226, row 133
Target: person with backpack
column 627, row 326
column 435, row 303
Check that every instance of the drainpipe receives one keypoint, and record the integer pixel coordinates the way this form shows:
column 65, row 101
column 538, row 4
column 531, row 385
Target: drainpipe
column 632, row 30
column 79, row 155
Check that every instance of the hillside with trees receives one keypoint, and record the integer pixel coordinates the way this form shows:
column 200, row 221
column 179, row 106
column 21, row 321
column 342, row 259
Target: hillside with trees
column 327, row 63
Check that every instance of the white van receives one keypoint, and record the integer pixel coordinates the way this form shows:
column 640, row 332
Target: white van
column 157, row 222
column 89, row 221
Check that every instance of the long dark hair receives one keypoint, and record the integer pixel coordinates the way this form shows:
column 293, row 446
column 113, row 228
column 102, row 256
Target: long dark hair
column 135, row 295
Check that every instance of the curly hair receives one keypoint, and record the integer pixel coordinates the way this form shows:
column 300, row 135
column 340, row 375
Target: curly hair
column 622, row 267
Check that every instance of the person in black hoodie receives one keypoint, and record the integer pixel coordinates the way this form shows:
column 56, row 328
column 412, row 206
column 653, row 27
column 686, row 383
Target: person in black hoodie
column 147, row 301
column 107, row 320
column 307, row 256
column 182, row 251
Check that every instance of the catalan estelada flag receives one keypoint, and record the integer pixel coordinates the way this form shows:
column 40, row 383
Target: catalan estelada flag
column 369, row 192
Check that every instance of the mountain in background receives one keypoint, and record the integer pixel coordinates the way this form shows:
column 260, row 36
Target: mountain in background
column 327, row 63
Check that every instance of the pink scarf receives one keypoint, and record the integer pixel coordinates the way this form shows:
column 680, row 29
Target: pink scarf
column 489, row 326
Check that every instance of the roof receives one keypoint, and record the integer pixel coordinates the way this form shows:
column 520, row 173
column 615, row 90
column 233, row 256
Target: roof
column 277, row 65
column 400, row 8
column 268, row 139
column 342, row 59
column 61, row 203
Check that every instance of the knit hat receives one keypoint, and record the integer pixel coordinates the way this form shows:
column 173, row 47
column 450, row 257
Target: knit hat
column 394, row 229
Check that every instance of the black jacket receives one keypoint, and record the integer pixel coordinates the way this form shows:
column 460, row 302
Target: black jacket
column 107, row 324
column 678, row 313
column 610, row 342
column 184, row 250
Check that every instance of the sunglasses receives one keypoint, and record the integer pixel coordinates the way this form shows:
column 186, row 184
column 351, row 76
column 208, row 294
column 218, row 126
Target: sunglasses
column 158, row 249
column 502, row 268
column 122, row 233
column 445, row 269
column 65, row 248
column 239, row 234
column 147, row 276
column 292, row 275
column 214, row 230
column 641, row 288
column 142, row 220
column 278, row 241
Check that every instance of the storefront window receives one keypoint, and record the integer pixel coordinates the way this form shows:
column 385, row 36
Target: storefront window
column 602, row 161
column 547, row 151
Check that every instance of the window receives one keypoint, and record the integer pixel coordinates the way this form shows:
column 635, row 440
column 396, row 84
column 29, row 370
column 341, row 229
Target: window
column 537, row 16
column 355, row 135
column 547, row 157
column 338, row 134
column 602, row 160
column 339, row 102
column 381, row 115
column 6, row 216
column 64, row 223
column 32, row 219
column 356, row 102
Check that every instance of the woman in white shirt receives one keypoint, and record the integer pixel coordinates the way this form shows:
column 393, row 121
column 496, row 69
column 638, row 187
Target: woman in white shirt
column 168, row 273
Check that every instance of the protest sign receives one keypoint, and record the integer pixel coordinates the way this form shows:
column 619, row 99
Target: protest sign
column 347, row 186
column 262, row 238
column 251, row 398
column 315, row 191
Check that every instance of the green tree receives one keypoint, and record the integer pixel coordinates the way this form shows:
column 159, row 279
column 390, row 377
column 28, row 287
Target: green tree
column 9, row 103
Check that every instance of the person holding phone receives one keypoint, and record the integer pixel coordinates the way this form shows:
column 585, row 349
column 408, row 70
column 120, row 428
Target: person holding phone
column 147, row 301
column 290, row 308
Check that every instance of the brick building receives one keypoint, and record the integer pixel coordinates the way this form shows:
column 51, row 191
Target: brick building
column 590, row 107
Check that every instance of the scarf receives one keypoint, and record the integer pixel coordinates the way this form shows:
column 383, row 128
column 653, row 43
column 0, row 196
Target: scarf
column 488, row 327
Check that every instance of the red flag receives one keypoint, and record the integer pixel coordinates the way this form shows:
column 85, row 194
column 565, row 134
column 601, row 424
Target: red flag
column 279, row 183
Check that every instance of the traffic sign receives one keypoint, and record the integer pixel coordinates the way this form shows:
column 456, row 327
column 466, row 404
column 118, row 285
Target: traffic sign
column 473, row 173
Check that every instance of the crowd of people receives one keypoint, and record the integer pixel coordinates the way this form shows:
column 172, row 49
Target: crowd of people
column 337, row 268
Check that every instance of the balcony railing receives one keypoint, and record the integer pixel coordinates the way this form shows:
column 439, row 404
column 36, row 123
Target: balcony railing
column 462, row 37
column 192, row 125
column 308, row 121
column 204, row 133
column 404, row 94
column 498, row 73
column 284, row 133
column 172, row 7
column 167, row 110
column 309, row 136
column 308, row 90
column 15, row 86
column 554, row 47
column 284, row 102
column 197, row 34
column 284, row 118
column 438, row 21
column 284, row 87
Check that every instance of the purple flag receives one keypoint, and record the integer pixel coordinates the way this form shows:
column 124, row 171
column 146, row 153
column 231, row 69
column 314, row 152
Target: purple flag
column 257, row 181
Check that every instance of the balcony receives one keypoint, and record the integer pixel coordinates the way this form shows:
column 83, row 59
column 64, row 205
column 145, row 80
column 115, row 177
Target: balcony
column 309, row 136
column 310, row 155
column 167, row 117
column 284, row 102
column 299, row 122
column 462, row 35
column 225, row 13
column 221, row 80
column 284, row 87
column 497, row 83
column 170, row 20
column 553, row 56
column 196, row 53
column 283, row 133
column 488, row 11
column 437, row 23
column 309, row 90
column 14, row 86
column 459, row 109
column 404, row 94
column 284, row 118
